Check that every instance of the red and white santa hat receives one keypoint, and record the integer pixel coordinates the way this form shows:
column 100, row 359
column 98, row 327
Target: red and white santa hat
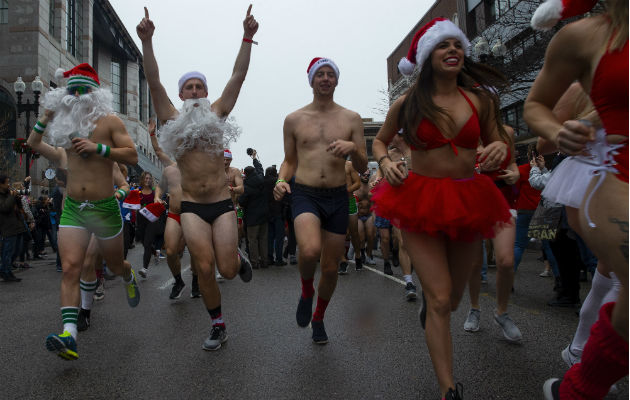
column 317, row 63
column 81, row 75
column 153, row 211
column 426, row 39
column 132, row 201
column 551, row 11
column 227, row 154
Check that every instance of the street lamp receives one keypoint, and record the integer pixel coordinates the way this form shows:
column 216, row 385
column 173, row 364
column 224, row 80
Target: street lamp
column 36, row 86
column 499, row 50
column 482, row 50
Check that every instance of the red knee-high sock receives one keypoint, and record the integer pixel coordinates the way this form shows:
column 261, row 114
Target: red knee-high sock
column 604, row 362
column 307, row 288
column 320, row 310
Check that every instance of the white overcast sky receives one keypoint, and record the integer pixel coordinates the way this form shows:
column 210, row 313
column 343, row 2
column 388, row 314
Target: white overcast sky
column 206, row 35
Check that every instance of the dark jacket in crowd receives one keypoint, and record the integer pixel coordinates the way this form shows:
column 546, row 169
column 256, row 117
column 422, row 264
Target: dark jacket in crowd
column 11, row 223
column 275, row 207
column 254, row 199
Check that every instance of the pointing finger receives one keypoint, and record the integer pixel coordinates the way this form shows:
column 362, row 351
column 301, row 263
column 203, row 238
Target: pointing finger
column 249, row 10
column 146, row 13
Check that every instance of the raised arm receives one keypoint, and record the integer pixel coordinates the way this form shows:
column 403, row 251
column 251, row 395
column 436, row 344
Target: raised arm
column 224, row 104
column 161, row 103
column 166, row 160
column 56, row 155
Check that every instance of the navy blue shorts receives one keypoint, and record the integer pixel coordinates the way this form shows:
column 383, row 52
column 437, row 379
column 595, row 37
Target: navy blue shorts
column 382, row 223
column 330, row 205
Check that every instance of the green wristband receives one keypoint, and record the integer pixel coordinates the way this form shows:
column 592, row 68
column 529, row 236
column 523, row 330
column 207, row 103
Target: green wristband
column 280, row 180
column 39, row 127
column 102, row 150
column 123, row 194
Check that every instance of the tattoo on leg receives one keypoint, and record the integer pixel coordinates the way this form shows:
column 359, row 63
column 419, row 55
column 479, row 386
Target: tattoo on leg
column 623, row 226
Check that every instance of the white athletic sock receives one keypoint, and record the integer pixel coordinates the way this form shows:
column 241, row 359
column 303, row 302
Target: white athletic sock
column 407, row 278
column 600, row 287
column 87, row 293
column 72, row 329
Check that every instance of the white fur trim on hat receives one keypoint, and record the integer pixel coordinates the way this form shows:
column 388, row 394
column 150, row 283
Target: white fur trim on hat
column 439, row 32
column 192, row 75
column 317, row 64
column 405, row 66
column 59, row 73
column 547, row 15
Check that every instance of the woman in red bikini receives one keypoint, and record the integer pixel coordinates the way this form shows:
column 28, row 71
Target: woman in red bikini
column 452, row 208
column 593, row 51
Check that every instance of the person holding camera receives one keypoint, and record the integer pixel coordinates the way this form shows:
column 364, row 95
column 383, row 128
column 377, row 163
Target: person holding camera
column 255, row 206
column 11, row 227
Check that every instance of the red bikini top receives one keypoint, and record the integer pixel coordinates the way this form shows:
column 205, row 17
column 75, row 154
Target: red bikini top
column 610, row 91
column 468, row 136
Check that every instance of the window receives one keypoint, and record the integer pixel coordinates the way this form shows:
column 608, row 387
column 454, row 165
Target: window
column 118, row 86
column 4, row 11
column 141, row 94
column 490, row 12
column 51, row 17
column 74, row 27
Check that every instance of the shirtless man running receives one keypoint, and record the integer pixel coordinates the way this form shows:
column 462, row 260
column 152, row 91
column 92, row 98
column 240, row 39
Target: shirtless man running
column 317, row 140
column 89, row 137
column 207, row 213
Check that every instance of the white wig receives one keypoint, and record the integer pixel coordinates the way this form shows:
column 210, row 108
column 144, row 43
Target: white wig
column 197, row 127
column 75, row 116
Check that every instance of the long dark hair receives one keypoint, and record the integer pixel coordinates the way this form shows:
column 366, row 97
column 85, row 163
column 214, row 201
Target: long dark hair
column 419, row 104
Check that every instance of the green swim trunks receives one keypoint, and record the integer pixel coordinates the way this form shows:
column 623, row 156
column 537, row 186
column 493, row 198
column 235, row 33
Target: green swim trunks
column 100, row 217
column 352, row 205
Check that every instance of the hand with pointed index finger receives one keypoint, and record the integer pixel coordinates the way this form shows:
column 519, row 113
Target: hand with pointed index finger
column 145, row 28
column 250, row 25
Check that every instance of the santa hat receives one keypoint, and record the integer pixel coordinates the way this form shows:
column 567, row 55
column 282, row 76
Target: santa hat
column 153, row 211
column 227, row 154
column 81, row 75
column 317, row 63
column 551, row 11
column 192, row 75
column 426, row 39
column 132, row 201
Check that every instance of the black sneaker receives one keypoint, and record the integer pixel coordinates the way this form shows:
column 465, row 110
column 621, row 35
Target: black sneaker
column 423, row 311
column 83, row 322
column 551, row 389
column 395, row 260
column 343, row 268
column 455, row 394
column 358, row 264
column 245, row 272
column 387, row 269
column 194, row 291
column 410, row 292
column 304, row 310
column 319, row 332
column 176, row 292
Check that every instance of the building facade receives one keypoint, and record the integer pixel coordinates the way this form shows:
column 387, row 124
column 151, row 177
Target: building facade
column 39, row 36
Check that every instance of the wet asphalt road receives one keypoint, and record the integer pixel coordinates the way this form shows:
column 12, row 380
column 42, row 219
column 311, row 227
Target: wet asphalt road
column 376, row 348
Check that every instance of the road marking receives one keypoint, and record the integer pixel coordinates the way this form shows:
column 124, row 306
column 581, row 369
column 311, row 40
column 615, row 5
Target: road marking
column 376, row 271
column 170, row 282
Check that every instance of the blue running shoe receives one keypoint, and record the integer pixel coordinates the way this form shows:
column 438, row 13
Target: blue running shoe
column 63, row 345
column 133, row 293
column 319, row 332
column 304, row 310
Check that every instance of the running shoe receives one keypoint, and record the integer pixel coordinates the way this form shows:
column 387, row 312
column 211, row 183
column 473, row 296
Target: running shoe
column 343, row 268
column 162, row 256
column 551, row 389
column 83, row 321
column 387, row 268
column 569, row 357
column 472, row 321
column 510, row 330
column 370, row 260
column 245, row 272
column 545, row 274
column 143, row 272
column 99, row 294
column 218, row 336
column 319, row 332
column 292, row 259
column 133, row 292
column 304, row 310
column 194, row 292
column 410, row 292
column 176, row 291
column 358, row 264
column 455, row 394
column 63, row 345
column 218, row 276
column 395, row 259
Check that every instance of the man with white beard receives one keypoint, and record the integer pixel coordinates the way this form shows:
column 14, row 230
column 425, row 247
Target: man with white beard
column 196, row 137
column 87, row 137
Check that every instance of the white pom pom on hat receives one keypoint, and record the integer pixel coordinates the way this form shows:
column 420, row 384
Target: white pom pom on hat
column 426, row 39
column 551, row 11
column 59, row 73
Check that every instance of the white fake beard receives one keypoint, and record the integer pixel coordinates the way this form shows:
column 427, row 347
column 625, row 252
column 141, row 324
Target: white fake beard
column 74, row 115
column 197, row 127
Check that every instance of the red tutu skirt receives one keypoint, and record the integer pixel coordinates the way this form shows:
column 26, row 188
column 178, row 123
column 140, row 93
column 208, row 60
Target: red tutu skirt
column 462, row 209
